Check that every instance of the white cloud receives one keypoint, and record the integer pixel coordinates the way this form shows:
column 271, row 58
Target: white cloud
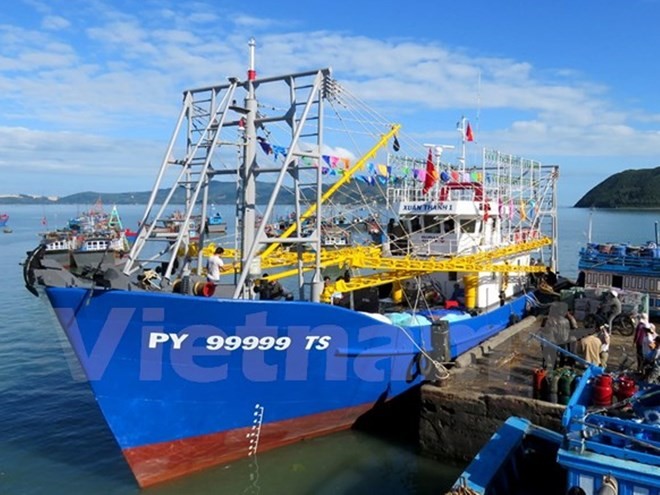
column 54, row 22
column 106, row 84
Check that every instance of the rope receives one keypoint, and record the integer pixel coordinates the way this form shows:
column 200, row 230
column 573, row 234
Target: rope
column 462, row 489
column 442, row 373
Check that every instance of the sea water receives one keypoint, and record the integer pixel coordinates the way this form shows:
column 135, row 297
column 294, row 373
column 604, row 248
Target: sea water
column 54, row 440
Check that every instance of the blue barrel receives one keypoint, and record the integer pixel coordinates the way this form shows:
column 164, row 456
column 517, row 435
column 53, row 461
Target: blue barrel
column 619, row 250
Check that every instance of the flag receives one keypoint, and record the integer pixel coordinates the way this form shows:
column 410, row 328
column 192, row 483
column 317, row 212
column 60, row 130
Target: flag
column 265, row 146
column 431, row 173
column 395, row 145
column 468, row 133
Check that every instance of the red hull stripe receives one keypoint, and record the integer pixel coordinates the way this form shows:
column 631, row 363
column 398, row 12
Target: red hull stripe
column 155, row 463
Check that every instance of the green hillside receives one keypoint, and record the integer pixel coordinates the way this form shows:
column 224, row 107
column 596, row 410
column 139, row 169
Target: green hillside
column 628, row 189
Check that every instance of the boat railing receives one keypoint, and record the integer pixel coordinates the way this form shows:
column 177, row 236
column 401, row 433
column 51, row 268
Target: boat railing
column 622, row 438
column 452, row 191
column 647, row 257
column 617, row 263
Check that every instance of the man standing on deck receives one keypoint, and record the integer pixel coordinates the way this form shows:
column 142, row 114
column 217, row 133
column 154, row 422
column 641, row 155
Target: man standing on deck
column 215, row 266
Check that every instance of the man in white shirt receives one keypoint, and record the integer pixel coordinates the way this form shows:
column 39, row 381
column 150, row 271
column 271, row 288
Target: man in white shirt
column 215, row 266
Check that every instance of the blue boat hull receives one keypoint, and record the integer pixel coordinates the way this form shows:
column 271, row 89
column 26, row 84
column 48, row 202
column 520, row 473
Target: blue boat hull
column 596, row 453
column 187, row 382
column 518, row 459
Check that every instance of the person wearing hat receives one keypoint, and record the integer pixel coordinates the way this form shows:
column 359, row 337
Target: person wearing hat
column 595, row 347
column 611, row 307
column 641, row 336
column 649, row 338
column 270, row 290
column 653, row 362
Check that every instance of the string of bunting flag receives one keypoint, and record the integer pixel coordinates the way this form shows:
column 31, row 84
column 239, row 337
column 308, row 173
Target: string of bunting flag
column 402, row 168
column 377, row 173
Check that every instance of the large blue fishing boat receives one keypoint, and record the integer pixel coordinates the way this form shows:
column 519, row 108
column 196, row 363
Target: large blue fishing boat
column 192, row 371
column 625, row 266
column 608, row 447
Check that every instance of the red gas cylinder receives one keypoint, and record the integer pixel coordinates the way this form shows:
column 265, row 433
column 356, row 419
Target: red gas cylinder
column 603, row 391
column 537, row 384
column 626, row 388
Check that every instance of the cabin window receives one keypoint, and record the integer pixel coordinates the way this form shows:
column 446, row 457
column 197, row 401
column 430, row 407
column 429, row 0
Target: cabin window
column 453, row 277
column 449, row 226
column 469, row 226
column 431, row 225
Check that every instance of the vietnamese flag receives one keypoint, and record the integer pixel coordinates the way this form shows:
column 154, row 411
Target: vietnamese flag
column 431, row 173
column 468, row 133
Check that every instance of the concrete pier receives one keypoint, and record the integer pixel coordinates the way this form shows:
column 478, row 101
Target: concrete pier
column 487, row 386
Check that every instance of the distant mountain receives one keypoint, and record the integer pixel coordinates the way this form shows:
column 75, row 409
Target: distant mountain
column 219, row 193
column 628, row 189
column 26, row 199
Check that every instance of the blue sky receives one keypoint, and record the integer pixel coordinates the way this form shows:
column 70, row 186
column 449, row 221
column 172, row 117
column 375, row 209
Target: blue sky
column 90, row 89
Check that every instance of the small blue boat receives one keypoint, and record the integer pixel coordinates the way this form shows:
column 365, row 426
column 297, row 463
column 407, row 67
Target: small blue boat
column 613, row 449
column 509, row 463
column 216, row 224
